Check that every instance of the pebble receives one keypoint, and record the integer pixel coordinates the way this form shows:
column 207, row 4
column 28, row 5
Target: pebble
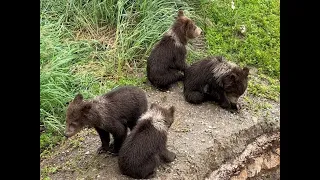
column 242, row 29
column 255, row 119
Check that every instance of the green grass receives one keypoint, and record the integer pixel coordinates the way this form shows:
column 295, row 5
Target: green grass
column 57, row 84
column 94, row 46
column 258, row 46
column 264, row 86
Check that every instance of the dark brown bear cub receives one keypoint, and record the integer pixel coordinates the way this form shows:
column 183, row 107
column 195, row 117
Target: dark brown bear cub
column 145, row 147
column 111, row 113
column 167, row 58
column 216, row 79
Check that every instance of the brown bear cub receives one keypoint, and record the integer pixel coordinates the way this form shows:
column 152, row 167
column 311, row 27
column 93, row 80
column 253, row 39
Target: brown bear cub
column 111, row 113
column 215, row 79
column 167, row 58
column 145, row 147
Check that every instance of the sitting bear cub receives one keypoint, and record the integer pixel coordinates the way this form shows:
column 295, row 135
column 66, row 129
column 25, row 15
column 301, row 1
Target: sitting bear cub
column 111, row 113
column 168, row 58
column 146, row 146
column 215, row 79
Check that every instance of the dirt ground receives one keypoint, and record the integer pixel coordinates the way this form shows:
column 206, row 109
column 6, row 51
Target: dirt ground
column 204, row 137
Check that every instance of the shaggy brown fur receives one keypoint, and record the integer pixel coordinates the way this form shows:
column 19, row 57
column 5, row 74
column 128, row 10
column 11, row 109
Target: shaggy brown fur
column 145, row 147
column 110, row 113
column 214, row 78
column 167, row 59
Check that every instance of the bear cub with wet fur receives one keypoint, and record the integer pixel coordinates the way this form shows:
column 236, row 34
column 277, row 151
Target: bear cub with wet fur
column 146, row 146
column 111, row 113
column 167, row 60
column 215, row 79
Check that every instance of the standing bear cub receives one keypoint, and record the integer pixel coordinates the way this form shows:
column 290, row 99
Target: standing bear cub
column 167, row 58
column 215, row 79
column 145, row 147
column 111, row 113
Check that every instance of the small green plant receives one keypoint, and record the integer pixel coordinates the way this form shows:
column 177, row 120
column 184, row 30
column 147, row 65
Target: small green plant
column 47, row 171
column 268, row 91
column 48, row 140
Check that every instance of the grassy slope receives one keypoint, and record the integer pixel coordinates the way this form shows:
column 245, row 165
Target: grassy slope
column 92, row 47
column 95, row 46
column 258, row 46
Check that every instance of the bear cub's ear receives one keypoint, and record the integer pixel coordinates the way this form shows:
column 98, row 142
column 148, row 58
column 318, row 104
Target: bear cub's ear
column 86, row 108
column 180, row 13
column 78, row 99
column 234, row 77
column 246, row 71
